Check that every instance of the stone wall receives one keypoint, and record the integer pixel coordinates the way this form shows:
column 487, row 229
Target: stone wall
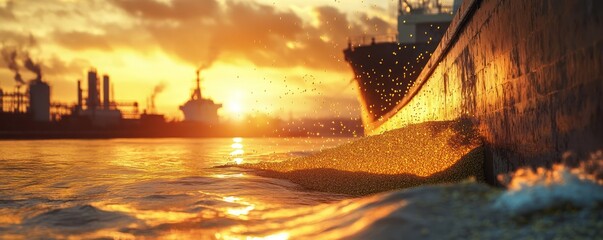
column 528, row 73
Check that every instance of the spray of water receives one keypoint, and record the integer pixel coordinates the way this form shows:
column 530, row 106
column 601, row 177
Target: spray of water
column 533, row 190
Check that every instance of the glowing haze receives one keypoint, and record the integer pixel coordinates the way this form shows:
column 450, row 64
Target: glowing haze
column 282, row 58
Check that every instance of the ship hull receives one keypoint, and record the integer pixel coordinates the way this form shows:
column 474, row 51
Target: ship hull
column 528, row 74
column 384, row 72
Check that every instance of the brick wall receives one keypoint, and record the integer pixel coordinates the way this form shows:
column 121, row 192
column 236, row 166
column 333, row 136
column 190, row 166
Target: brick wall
column 528, row 73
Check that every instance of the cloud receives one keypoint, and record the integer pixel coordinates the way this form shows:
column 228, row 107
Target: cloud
column 13, row 37
column 261, row 34
column 6, row 13
column 55, row 67
column 177, row 10
column 201, row 32
column 17, row 55
column 83, row 40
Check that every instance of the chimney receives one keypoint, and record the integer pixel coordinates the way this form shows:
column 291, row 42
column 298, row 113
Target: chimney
column 93, row 95
column 39, row 100
column 1, row 101
column 106, row 99
column 79, row 95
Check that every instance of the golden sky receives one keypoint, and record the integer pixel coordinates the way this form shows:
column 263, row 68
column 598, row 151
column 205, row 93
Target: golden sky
column 282, row 58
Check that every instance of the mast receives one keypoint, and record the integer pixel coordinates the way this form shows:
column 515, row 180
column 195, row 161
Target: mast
column 197, row 91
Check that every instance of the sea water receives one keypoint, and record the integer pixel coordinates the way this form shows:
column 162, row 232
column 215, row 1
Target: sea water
column 209, row 189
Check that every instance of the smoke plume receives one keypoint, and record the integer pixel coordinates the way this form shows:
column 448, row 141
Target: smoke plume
column 156, row 91
column 28, row 62
column 33, row 67
column 17, row 55
column 203, row 67
column 9, row 55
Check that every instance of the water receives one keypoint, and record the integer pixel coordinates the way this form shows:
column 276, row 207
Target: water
column 124, row 188
column 196, row 189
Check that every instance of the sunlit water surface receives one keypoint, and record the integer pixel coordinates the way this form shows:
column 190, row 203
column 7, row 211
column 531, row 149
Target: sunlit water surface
column 148, row 187
column 181, row 188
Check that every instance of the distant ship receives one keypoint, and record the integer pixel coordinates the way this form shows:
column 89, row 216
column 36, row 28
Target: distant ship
column 199, row 109
column 386, row 68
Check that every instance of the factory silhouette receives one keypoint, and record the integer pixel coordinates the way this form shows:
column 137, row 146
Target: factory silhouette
column 29, row 113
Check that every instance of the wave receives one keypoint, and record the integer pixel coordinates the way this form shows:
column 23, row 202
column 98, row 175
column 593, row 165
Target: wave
column 84, row 220
column 561, row 202
column 534, row 190
column 85, row 216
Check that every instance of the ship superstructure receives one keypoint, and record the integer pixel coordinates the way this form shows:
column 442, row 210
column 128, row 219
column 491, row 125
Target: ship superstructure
column 385, row 68
column 199, row 109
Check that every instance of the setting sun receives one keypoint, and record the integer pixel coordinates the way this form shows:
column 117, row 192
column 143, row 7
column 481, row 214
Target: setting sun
column 233, row 106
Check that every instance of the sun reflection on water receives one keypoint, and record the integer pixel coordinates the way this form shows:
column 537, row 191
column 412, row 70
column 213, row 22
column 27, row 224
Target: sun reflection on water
column 234, row 175
column 276, row 236
column 168, row 189
column 152, row 217
column 241, row 211
column 237, row 152
column 238, row 160
column 230, row 199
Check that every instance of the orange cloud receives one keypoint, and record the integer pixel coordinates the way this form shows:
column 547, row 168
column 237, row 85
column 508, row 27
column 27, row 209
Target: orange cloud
column 55, row 66
column 202, row 31
column 83, row 40
column 177, row 10
column 6, row 13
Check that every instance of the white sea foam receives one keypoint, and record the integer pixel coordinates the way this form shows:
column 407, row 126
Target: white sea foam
column 533, row 190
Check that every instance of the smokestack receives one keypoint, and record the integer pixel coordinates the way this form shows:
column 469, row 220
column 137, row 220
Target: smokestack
column 112, row 94
column 39, row 101
column 1, row 101
column 106, row 99
column 79, row 95
column 93, row 100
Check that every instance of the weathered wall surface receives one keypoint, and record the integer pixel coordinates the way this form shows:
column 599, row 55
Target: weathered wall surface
column 529, row 74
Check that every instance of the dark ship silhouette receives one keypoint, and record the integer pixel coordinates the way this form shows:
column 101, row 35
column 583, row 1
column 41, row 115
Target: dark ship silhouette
column 199, row 109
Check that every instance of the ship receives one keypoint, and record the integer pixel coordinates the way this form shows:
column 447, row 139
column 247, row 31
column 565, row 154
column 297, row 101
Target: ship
column 386, row 67
column 198, row 109
column 525, row 76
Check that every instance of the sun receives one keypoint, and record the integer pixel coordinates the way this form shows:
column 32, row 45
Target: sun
column 234, row 109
